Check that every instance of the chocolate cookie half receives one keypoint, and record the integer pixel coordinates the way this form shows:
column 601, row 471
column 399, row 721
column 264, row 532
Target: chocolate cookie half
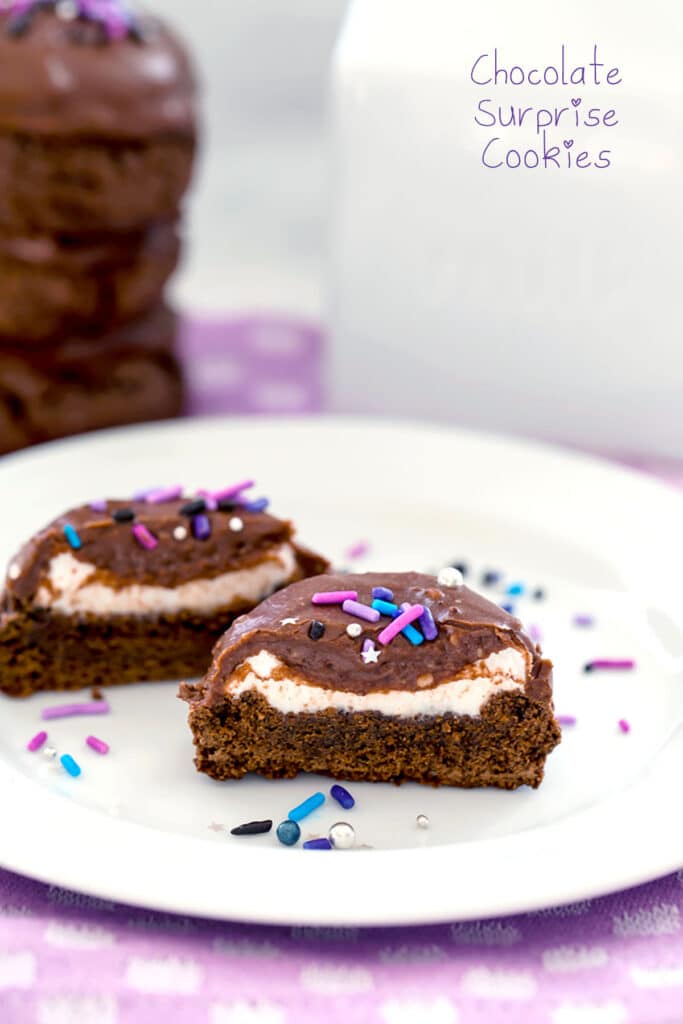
column 125, row 591
column 376, row 677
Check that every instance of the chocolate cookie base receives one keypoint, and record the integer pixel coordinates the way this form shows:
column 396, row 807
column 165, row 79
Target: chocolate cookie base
column 506, row 746
column 45, row 651
column 126, row 376
column 50, row 184
column 53, row 285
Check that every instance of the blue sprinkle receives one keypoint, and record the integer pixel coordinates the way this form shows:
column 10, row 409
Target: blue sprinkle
column 412, row 634
column 386, row 608
column 288, row 832
column 72, row 537
column 260, row 505
column 508, row 607
column 317, row 844
column 302, row 810
column 70, row 765
column 383, row 593
column 515, row 589
column 342, row 796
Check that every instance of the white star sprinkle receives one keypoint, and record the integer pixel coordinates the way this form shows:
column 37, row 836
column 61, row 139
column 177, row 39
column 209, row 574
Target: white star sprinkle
column 288, row 622
column 371, row 656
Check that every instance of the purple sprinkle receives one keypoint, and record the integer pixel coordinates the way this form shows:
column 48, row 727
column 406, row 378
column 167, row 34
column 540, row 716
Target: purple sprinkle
column 37, row 741
column 231, row 492
column 623, row 664
column 535, row 633
column 583, row 620
column 427, row 625
column 623, row 725
column 99, row 505
column 201, row 526
column 260, row 505
column 142, row 495
column 92, row 707
column 318, row 844
column 164, row 494
column 361, row 611
column 143, row 536
column 358, row 550
column 383, row 593
column 368, row 644
column 565, row 719
column 97, row 745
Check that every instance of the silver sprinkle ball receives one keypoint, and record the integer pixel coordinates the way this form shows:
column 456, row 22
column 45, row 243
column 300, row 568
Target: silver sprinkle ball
column 354, row 629
column 449, row 577
column 422, row 821
column 49, row 753
column 342, row 835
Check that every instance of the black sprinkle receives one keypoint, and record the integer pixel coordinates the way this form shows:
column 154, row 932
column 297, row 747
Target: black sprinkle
column 226, row 506
column 252, row 828
column 123, row 515
column 490, row 578
column 460, row 566
column 19, row 24
column 588, row 667
column 194, row 507
column 316, row 629
column 539, row 594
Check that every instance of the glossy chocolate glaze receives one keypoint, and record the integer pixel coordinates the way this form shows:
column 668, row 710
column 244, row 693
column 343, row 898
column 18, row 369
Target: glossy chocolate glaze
column 53, row 85
column 470, row 628
column 120, row 560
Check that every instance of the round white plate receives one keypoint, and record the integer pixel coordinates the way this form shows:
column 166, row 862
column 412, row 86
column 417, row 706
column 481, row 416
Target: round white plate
column 136, row 826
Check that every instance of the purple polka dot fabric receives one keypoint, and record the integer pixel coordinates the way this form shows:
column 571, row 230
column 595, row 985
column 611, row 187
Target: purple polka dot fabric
column 66, row 958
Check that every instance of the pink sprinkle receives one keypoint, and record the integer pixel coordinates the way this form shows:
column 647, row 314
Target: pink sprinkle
column 231, row 492
column 98, row 745
column 616, row 663
column 144, row 538
column 91, row 707
column 358, row 550
column 361, row 611
column 400, row 622
column 164, row 494
column 334, row 596
column 209, row 500
column 565, row 719
column 623, row 725
column 535, row 633
column 37, row 741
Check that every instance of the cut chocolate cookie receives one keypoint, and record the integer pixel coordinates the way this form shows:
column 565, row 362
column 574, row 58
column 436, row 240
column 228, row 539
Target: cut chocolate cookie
column 376, row 677
column 124, row 591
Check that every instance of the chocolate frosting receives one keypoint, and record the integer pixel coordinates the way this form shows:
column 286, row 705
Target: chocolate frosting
column 121, row 560
column 469, row 629
column 52, row 85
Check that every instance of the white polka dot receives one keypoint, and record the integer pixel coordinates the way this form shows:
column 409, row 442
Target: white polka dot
column 331, row 980
column 412, row 954
column 279, row 395
column 495, row 983
column 77, row 1010
column 659, row 919
column 246, row 948
column 180, row 532
column 563, row 959
column 419, row 1011
column 17, row 970
column 610, row 1012
column 168, row 975
column 63, row 935
column 246, row 1013
column 657, row 977
column 276, row 339
column 487, row 934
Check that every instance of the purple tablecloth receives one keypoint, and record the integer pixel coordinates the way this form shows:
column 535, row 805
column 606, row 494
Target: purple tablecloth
column 71, row 959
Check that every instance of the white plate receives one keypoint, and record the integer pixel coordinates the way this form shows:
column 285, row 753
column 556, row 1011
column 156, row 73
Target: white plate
column 135, row 825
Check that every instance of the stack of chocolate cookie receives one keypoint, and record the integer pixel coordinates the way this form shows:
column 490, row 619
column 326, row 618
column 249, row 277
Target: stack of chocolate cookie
column 97, row 139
